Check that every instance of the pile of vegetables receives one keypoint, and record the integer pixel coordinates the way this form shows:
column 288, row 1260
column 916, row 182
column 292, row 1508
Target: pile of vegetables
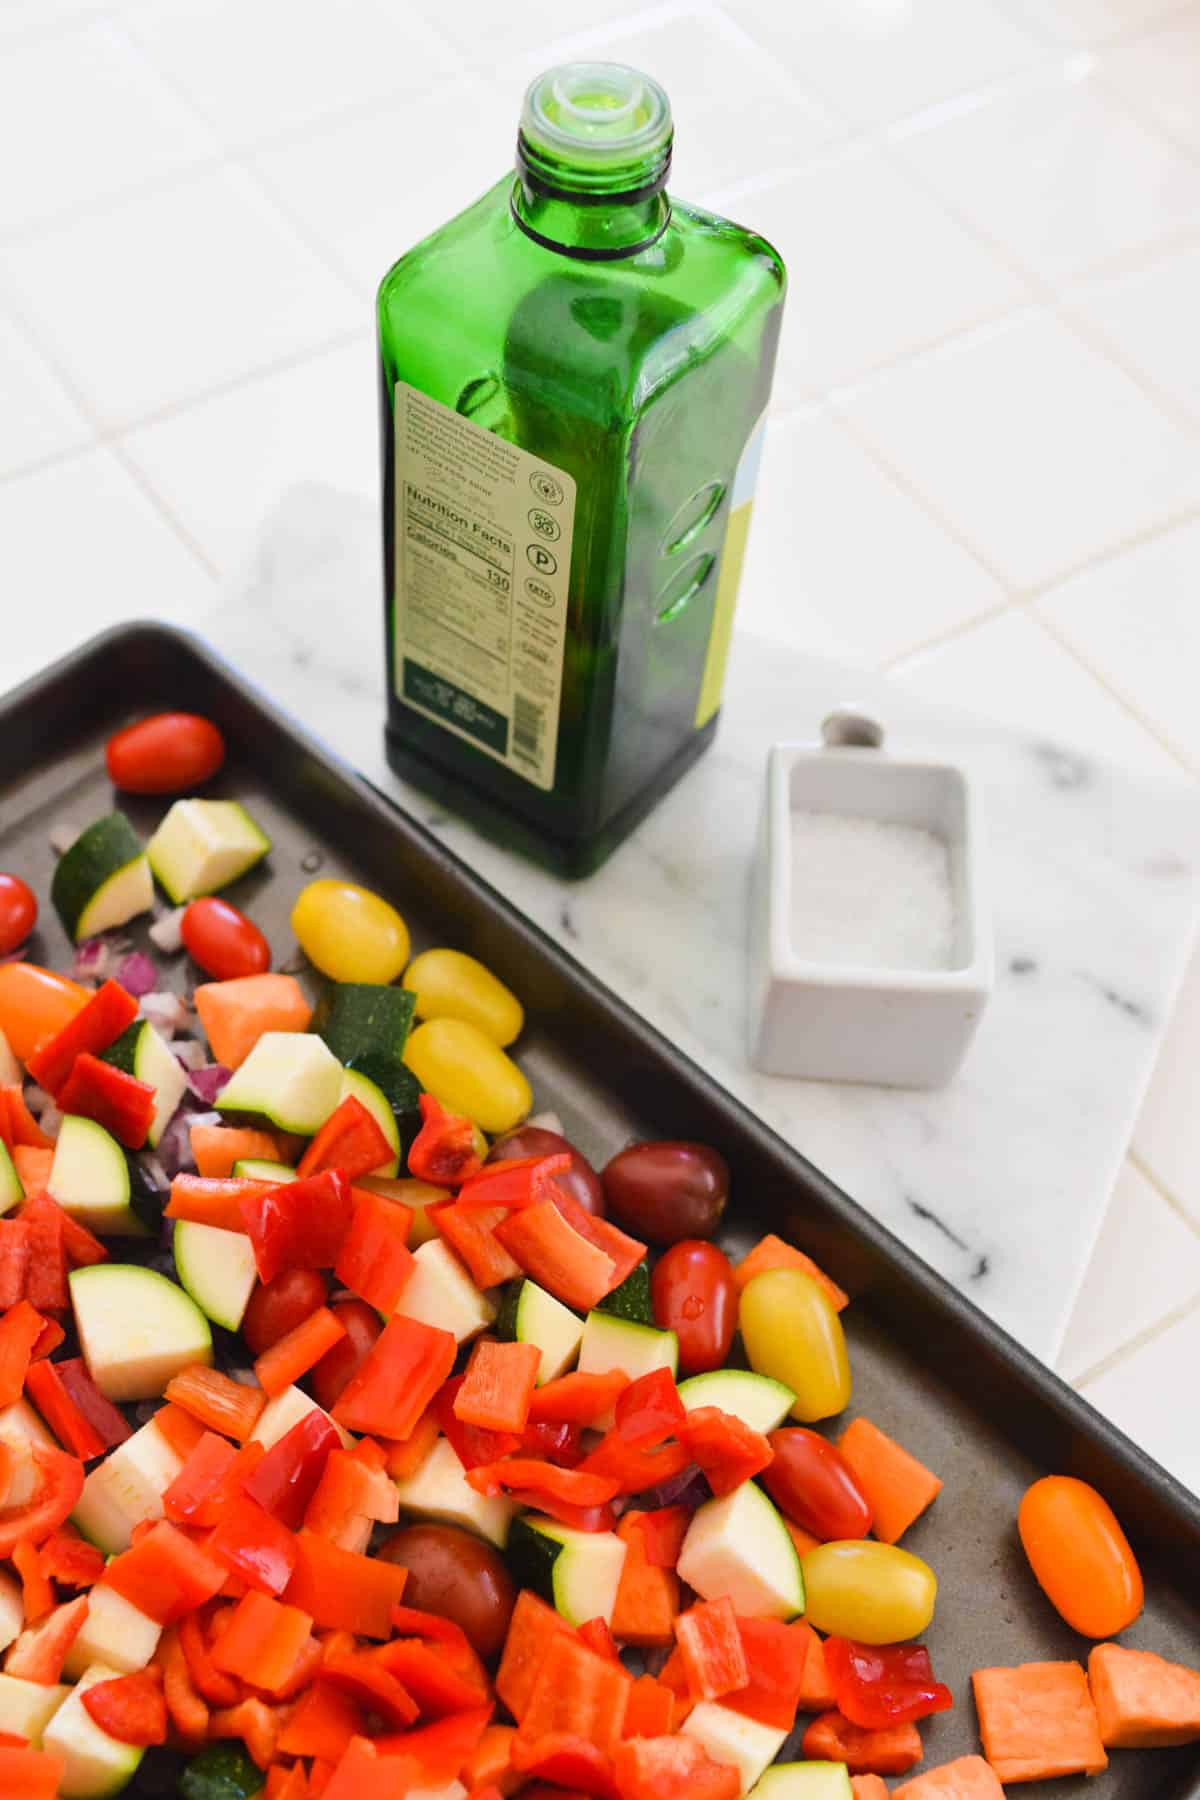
column 357, row 1435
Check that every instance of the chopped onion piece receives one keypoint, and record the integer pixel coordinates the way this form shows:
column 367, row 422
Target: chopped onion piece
column 190, row 1052
column 168, row 1011
column 206, row 1082
column 166, row 933
column 138, row 975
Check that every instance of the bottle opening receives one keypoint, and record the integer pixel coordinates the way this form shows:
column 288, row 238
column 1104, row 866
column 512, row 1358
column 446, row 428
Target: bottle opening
column 599, row 126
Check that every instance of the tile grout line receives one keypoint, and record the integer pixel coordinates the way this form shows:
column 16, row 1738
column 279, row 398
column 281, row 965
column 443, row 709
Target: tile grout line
column 1165, row 1194
column 1138, row 1341
column 1134, row 710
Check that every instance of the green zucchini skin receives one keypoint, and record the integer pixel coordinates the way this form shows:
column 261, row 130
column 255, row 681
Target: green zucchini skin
column 400, row 1088
column 531, row 1559
column 102, row 851
column 360, row 1018
column 631, row 1299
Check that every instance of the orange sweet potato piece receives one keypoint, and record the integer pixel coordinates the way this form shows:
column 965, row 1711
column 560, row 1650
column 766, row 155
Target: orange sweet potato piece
column 1037, row 1721
column 966, row 1778
column 1143, row 1701
column 772, row 1253
column 898, row 1487
column 235, row 1014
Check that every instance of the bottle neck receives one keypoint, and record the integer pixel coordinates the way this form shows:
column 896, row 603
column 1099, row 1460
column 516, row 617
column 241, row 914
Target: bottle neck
column 588, row 222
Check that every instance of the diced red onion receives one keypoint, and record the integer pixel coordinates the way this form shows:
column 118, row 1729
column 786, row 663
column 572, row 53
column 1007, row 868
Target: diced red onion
column 169, row 1012
column 138, row 975
column 689, row 1488
column 166, row 932
column 206, row 1082
column 174, row 1148
column 62, row 835
column 153, row 1170
column 190, row 1052
column 94, row 960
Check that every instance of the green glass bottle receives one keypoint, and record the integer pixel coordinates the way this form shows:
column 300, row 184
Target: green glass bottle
column 574, row 373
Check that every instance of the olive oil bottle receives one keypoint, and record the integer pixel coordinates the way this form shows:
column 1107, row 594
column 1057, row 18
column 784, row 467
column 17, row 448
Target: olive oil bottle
column 574, row 373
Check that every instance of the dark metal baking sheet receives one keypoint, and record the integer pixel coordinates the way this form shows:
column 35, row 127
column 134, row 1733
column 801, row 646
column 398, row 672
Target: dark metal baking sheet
column 960, row 1393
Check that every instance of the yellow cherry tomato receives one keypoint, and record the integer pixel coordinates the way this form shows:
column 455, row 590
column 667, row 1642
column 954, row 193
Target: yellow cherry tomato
column 349, row 933
column 451, row 985
column 873, row 1593
column 792, row 1332
column 468, row 1073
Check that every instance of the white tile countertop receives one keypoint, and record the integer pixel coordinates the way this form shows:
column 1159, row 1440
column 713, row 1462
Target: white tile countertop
column 983, row 470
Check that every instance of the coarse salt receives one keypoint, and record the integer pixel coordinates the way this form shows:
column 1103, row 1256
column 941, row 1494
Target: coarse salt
column 870, row 893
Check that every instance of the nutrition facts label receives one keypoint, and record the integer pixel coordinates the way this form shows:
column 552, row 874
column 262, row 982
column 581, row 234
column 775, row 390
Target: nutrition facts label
column 483, row 554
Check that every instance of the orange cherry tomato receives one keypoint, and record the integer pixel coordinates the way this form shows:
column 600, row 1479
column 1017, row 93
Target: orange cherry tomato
column 224, row 942
column 18, row 913
column 34, row 1004
column 1080, row 1556
column 164, row 754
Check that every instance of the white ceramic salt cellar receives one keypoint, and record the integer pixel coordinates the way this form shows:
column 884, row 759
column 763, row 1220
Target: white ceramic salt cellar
column 857, row 1020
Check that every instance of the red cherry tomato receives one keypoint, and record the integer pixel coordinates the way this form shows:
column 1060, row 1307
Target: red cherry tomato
column 362, row 1326
column 811, row 1481
column 165, row 754
column 693, row 1294
column 277, row 1307
column 223, row 940
column 18, row 913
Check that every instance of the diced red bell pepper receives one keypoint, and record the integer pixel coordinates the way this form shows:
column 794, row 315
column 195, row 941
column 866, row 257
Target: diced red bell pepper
column 576, row 1691
column 262, row 1642
column 323, row 1723
column 725, row 1447
column 474, row 1446
column 519, row 1181
column 568, row 1761
column 596, row 1635
column 522, row 1474
column 100, row 1023
column 216, row 1688
column 165, row 1574
column 68, row 1558
column 214, row 1200
column 498, row 1386
column 48, row 1339
column 216, row 1400
column 624, row 1252
column 97, row 1090
column 298, row 1351
column 16, row 1238
column 430, row 1676
column 437, row 1753
column 41, row 1649
column 300, row 1224
column 27, row 1774
column 577, row 1398
column 60, row 1483
column 362, row 1770
column 344, row 1590
column 880, row 1685
column 554, row 1443
column 664, row 1768
column 397, row 1379
column 651, row 1709
column 663, row 1532
column 635, row 1471
column 374, row 1260
column 286, row 1477
column 46, row 1272
column 76, row 1411
column 372, row 1686
column 351, row 1497
column 20, row 1329
column 18, row 1127
column 131, row 1708
column 443, row 1151
column 712, row 1651
column 890, row 1751
column 470, row 1231
column 186, row 1707
column 559, row 1257
column 189, row 1498
column 349, row 1140
column 532, row 1629
column 647, row 1599
column 36, row 1590
column 255, row 1723
column 254, row 1546
column 649, row 1410
column 777, row 1657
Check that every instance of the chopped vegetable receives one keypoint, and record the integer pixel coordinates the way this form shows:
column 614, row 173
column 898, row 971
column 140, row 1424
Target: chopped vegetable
column 897, row 1487
column 93, row 1029
column 444, row 1151
column 877, row 1687
column 890, row 1751
column 772, row 1253
column 1037, row 1721
column 1142, row 1700
column 499, row 1386
column 349, row 933
column 966, row 1778
column 236, row 1014
column 216, row 1148
column 166, row 753
column 117, row 1101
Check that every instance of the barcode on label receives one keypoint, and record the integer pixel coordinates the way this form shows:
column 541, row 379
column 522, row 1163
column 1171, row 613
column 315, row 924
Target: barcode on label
column 528, row 723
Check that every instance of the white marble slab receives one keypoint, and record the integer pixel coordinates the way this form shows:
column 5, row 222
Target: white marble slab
column 1001, row 1180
